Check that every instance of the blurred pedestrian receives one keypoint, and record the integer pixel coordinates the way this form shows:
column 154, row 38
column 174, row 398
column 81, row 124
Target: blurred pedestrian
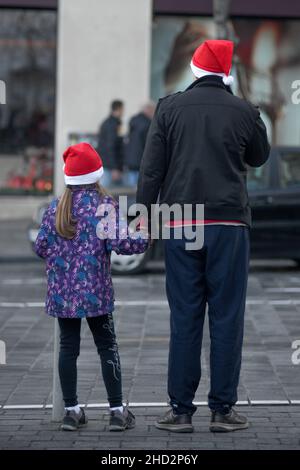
column 38, row 133
column 136, row 140
column 197, row 150
column 110, row 145
column 77, row 234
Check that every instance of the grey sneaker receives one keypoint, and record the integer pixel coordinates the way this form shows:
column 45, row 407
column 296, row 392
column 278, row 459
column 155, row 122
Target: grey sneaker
column 72, row 420
column 119, row 421
column 229, row 422
column 175, row 423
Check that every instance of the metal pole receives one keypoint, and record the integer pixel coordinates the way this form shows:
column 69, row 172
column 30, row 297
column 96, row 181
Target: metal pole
column 221, row 14
column 58, row 406
column 57, row 401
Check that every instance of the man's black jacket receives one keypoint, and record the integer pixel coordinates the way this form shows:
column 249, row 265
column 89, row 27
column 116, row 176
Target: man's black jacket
column 138, row 130
column 197, row 151
column 110, row 144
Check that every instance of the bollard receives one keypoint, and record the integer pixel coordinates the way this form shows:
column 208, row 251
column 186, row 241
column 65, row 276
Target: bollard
column 2, row 92
column 2, row 353
column 58, row 406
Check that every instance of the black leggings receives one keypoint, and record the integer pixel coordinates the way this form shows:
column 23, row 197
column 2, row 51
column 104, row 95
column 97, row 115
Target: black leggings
column 103, row 331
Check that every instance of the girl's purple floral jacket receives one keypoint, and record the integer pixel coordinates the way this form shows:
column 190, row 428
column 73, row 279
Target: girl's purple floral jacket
column 78, row 270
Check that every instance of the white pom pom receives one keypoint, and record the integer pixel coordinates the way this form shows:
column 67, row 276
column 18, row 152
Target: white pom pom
column 228, row 80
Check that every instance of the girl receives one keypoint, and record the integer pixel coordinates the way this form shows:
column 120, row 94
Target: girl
column 77, row 234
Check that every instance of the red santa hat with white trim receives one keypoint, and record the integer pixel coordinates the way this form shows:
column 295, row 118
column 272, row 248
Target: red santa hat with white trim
column 83, row 165
column 213, row 57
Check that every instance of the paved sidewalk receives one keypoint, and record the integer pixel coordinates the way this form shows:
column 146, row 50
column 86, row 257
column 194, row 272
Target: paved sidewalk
column 271, row 428
column 142, row 320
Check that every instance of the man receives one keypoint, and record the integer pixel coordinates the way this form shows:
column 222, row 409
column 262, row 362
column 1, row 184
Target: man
column 197, row 151
column 110, row 145
column 138, row 129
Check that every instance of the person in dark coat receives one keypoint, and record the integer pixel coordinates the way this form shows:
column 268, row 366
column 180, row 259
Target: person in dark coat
column 110, row 145
column 199, row 145
column 138, row 130
column 78, row 232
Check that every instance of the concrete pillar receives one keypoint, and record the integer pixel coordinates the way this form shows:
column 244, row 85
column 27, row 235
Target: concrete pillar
column 103, row 54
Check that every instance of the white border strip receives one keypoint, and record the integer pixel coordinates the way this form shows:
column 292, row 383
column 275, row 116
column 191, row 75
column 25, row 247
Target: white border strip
column 88, row 178
column 159, row 404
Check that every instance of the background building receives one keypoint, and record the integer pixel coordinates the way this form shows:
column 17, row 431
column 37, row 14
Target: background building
column 64, row 61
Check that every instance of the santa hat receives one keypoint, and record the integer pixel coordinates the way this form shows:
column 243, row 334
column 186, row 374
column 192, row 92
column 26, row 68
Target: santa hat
column 83, row 165
column 213, row 57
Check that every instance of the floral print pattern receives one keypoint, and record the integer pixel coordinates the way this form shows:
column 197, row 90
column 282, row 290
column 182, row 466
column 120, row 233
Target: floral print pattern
column 78, row 270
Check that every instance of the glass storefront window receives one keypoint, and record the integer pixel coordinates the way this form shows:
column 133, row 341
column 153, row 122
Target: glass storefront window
column 27, row 67
column 266, row 62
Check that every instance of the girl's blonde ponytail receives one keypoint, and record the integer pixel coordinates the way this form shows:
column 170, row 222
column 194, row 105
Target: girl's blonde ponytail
column 65, row 224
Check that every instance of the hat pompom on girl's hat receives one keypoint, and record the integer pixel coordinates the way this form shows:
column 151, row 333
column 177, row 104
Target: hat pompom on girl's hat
column 83, row 165
column 214, row 57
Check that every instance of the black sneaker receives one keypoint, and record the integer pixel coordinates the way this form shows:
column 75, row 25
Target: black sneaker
column 72, row 420
column 119, row 421
column 175, row 423
column 229, row 422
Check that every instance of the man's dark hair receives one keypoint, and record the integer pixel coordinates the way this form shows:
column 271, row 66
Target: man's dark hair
column 116, row 104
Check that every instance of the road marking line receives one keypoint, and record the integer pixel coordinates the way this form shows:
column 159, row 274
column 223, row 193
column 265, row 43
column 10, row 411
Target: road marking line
column 151, row 303
column 157, row 404
column 267, row 402
column 285, row 302
column 18, row 282
column 12, row 282
column 39, row 281
column 12, row 304
column 35, row 304
column 283, row 289
column 23, row 407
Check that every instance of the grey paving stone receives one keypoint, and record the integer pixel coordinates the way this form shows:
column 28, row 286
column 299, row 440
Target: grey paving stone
column 267, row 372
column 47, row 435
